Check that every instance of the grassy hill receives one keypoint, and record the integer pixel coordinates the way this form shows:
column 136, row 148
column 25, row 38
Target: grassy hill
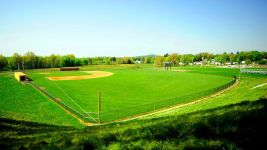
column 235, row 126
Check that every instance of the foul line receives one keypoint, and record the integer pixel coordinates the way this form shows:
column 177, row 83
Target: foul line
column 258, row 86
column 69, row 97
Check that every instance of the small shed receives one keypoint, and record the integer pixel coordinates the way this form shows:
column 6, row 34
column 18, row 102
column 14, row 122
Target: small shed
column 20, row 76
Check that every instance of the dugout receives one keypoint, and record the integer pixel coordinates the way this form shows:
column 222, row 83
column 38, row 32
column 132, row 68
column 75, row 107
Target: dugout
column 69, row 68
column 20, row 76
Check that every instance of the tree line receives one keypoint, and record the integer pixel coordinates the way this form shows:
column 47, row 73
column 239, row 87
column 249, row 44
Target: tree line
column 243, row 57
column 32, row 61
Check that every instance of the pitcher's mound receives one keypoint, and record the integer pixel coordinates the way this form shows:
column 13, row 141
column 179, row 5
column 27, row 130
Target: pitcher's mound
column 93, row 74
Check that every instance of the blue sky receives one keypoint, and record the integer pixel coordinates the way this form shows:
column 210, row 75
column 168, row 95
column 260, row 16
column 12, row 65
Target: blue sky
column 129, row 28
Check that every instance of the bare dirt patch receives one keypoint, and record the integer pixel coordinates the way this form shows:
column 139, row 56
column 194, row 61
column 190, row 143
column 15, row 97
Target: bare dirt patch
column 177, row 70
column 92, row 74
column 180, row 70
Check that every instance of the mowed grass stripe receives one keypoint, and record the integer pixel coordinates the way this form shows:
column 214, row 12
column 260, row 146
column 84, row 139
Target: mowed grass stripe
column 129, row 91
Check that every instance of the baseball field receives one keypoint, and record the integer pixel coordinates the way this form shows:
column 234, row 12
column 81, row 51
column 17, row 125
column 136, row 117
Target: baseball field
column 124, row 92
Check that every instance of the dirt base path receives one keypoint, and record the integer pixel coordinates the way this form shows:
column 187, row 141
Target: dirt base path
column 92, row 74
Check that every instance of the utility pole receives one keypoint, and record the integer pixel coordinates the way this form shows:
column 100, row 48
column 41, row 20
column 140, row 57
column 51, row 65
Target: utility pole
column 239, row 72
column 18, row 66
column 99, row 106
column 23, row 65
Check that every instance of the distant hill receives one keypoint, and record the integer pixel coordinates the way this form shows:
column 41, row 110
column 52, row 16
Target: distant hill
column 151, row 55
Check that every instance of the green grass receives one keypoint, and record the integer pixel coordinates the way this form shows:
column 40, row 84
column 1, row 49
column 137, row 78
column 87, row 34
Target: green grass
column 235, row 119
column 210, row 70
column 23, row 102
column 237, row 126
column 130, row 91
column 242, row 92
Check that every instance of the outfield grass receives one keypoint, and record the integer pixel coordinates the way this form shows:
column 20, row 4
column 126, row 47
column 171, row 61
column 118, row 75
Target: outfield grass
column 130, row 91
column 210, row 70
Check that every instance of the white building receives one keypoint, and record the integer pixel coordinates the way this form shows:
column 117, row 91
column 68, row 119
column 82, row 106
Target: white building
column 198, row 63
column 228, row 63
column 137, row 62
column 180, row 63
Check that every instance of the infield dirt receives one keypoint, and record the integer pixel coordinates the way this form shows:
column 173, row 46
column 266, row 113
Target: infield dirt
column 92, row 74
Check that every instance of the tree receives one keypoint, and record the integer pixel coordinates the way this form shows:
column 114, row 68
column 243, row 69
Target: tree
column 198, row 57
column 113, row 60
column 127, row 60
column 158, row 61
column 107, row 60
column 241, row 57
column 168, row 58
column 256, row 56
column 98, row 60
column 262, row 62
column 187, row 58
column 222, row 58
column 166, row 55
column 77, row 62
column 85, row 61
column 16, row 61
column 29, row 60
column 54, row 60
column 174, row 57
column 225, row 58
column 119, row 60
column 264, row 55
column 232, row 57
column 68, row 60
column 39, row 62
column 90, row 61
column 3, row 62
column 147, row 60
column 210, row 56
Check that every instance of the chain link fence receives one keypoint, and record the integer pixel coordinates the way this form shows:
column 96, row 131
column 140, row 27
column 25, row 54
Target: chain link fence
column 119, row 114
column 87, row 118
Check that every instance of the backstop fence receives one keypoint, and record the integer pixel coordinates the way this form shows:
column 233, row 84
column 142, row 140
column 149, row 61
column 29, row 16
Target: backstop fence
column 120, row 114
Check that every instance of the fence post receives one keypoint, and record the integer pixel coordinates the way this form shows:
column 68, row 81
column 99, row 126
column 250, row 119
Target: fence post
column 99, row 106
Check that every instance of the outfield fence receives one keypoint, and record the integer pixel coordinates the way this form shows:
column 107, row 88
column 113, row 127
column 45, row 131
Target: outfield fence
column 251, row 71
column 120, row 114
